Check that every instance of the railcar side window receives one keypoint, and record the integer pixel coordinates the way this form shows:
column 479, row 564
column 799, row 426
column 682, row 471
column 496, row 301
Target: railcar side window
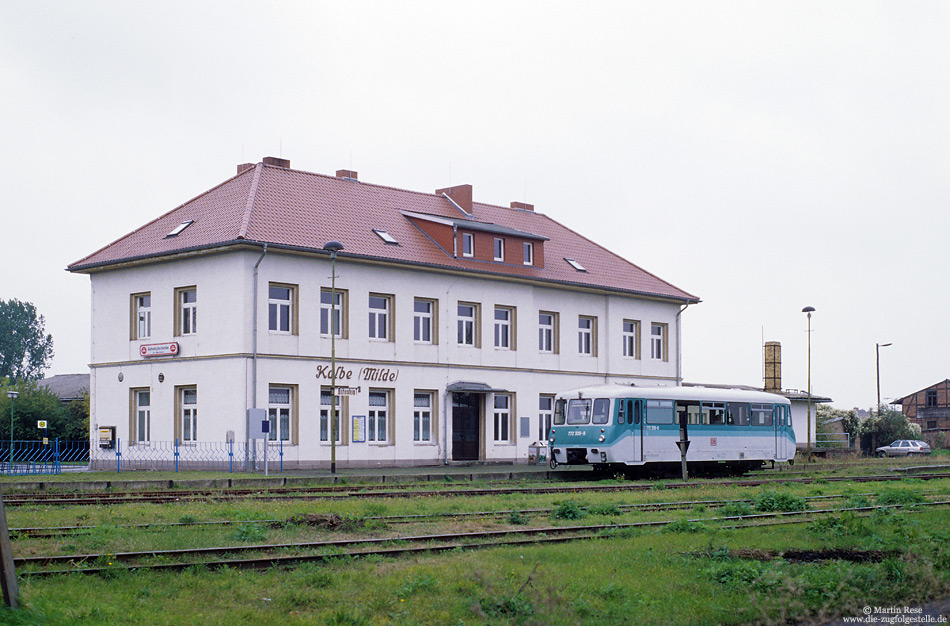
column 621, row 411
column 761, row 414
column 636, row 412
column 659, row 411
column 601, row 411
column 714, row 413
column 689, row 409
column 737, row 413
column 559, row 412
column 578, row 411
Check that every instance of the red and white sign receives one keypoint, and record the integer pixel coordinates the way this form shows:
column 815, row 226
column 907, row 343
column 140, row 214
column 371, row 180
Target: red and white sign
column 713, row 442
column 159, row 349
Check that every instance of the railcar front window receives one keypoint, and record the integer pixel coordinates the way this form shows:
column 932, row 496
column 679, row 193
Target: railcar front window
column 578, row 411
column 659, row 411
column 601, row 411
column 559, row 412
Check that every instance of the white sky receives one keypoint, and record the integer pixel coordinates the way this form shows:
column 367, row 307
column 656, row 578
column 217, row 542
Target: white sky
column 763, row 156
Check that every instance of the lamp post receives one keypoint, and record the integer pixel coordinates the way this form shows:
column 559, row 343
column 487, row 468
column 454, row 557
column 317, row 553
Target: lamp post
column 877, row 352
column 333, row 247
column 12, row 395
column 809, row 310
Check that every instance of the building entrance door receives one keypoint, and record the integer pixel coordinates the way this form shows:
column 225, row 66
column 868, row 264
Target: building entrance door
column 465, row 426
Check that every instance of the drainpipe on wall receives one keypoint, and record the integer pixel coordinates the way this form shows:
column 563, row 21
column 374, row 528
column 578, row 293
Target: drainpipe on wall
column 679, row 346
column 254, row 334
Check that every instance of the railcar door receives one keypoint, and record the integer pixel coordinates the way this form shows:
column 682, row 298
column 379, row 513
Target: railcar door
column 778, row 422
column 631, row 412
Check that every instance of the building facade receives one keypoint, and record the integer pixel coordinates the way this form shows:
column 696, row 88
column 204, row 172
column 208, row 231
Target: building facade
column 930, row 408
column 451, row 323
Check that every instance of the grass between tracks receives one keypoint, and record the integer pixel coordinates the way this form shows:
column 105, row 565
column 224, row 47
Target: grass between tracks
column 687, row 573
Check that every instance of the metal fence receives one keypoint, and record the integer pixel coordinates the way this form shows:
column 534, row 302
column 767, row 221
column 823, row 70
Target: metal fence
column 175, row 456
column 38, row 457
column 833, row 440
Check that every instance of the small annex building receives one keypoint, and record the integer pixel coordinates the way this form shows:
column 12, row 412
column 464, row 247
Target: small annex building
column 452, row 323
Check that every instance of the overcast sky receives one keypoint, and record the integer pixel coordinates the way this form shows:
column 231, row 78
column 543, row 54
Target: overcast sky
column 764, row 156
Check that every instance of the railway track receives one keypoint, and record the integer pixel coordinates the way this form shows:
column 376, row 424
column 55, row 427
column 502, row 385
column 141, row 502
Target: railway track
column 320, row 551
column 363, row 491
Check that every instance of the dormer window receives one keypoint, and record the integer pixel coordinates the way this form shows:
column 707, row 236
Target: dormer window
column 499, row 249
column 468, row 244
column 575, row 265
column 528, row 253
column 382, row 234
column 177, row 230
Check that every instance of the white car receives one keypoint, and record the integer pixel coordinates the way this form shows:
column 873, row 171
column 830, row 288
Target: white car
column 904, row 447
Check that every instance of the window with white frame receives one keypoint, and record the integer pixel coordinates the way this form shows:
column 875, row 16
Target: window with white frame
column 547, row 332
column 377, row 419
column 467, row 324
column 468, row 244
column 501, row 432
column 332, row 311
column 186, row 310
column 545, row 415
column 279, row 412
column 280, row 308
column 658, row 341
column 141, row 316
column 585, row 335
column 504, row 327
column 188, row 401
column 631, row 338
column 141, row 415
column 422, row 416
column 423, row 321
column 528, row 248
column 380, row 308
column 499, row 249
column 327, row 404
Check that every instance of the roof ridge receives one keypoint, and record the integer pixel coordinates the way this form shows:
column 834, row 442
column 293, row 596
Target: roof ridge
column 251, row 198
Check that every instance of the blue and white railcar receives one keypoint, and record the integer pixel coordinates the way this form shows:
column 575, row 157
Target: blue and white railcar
column 621, row 427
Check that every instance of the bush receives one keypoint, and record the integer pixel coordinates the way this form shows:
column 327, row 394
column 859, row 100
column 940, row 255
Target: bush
column 769, row 501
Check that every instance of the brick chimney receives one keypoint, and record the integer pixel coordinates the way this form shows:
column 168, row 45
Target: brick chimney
column 243, row 167
column 277, row 162
column 348, row 174
column 460, row 194
column 773, row 366
column 522, row 206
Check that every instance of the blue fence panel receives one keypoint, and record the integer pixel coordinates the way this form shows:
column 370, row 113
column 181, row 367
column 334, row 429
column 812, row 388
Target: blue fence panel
column 174, row 456
column 38, row 457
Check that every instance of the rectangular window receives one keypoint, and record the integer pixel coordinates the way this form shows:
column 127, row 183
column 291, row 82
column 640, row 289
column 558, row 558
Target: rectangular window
column 423, row 321
column 545, row 415
column 931, row 397
column 761, row 414
column 377, row 421
column 737, row 414
column 467, row 324
column 327, row 404
column 188, row 403
column 931, row 424
column 186, row 311
column 601, row 413
column 547, row 332
column 141, row 315
column 280, row 412
column 586, row 335
column 502, row 414
column 468, row 244
column 631, row 339
column 332, row 310
column 281, row 308
column 528, row 253
column 504, row 328
column 659, row 411
column 658, row 347
column 714, row 413
column 422, row 416
column 380, row 308
column 141, row 416
column 499, row 249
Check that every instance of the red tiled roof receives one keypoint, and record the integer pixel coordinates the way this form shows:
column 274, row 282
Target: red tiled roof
column 291, row 208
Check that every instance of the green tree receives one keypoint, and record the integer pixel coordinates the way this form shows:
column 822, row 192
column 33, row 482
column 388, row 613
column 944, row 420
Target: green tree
column 32, row 404
column 26, row 350
column 880, row 429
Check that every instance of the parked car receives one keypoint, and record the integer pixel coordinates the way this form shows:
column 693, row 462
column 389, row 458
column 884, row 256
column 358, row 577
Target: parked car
column 904, row 447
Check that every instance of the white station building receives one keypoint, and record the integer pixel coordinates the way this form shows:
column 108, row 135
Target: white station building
column 451, row 323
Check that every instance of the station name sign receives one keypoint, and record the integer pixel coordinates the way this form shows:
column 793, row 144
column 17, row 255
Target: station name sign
column 159, row 349
column 369, row 374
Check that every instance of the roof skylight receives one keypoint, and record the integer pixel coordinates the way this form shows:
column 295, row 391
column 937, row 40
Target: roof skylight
column 177, row 230
column 382, row 234
column 575, row 265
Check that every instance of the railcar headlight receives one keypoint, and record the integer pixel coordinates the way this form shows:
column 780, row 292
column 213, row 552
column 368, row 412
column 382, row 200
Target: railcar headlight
column 600, row 439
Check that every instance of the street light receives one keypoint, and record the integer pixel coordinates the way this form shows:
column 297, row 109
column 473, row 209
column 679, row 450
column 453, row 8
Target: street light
column 809, row 310
column 877, row 351
column 12, row 395
column 333, row 247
